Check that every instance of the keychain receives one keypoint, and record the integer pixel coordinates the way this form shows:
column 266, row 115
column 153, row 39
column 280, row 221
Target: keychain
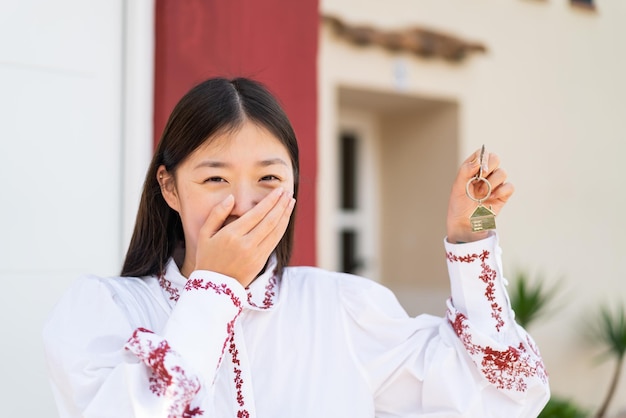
column 482, row 218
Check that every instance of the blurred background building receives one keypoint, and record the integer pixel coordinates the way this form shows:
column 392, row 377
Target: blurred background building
column 387, row 99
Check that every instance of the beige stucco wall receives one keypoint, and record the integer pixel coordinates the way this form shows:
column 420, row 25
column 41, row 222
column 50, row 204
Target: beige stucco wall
column 550, row 98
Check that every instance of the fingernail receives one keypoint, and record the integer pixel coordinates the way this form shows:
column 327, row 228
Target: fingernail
column 279, row 191
column 228, row 201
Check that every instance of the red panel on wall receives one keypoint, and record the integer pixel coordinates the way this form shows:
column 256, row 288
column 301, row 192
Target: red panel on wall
column 273, row 41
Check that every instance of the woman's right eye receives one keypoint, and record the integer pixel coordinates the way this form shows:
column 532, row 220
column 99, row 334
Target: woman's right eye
column 214, row 180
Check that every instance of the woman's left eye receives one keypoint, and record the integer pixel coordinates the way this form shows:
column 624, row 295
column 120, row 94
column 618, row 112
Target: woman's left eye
column 269, row 178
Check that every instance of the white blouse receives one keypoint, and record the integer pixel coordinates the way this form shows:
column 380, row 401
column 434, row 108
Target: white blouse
column 310, row 344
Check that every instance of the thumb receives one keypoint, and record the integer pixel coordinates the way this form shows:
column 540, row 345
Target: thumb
column 218, row 216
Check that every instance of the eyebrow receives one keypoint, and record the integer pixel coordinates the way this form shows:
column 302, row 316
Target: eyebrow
column 223, row 164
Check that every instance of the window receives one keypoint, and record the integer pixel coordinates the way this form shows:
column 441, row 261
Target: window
column 349, row 241
column 349, row 156
column 586, row 4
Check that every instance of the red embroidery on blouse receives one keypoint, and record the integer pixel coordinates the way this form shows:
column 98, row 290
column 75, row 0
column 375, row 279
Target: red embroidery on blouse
column 234, row 353
column 507, row 369
column 190, row 413
column 167, row 286
column 168, row 377
column 268, row 301
column 488, row 276
column 220, row 289
column 232, row 349
column 469, row 258
column 541, row 368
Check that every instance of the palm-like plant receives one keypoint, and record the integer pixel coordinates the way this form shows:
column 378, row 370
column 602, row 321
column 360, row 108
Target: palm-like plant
column 562, row 408
column 530, row 299
column 610, row 332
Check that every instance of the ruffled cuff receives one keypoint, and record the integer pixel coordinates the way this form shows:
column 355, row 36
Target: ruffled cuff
column 513, row 365
column 171, row 379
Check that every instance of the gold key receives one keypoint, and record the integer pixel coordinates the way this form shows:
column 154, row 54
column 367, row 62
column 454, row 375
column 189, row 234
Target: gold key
column 482, row 218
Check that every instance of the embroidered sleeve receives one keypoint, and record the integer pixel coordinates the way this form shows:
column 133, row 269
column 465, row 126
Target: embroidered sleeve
column 99, row 366
column 480, row 315
column 507, row 367
column 477, row 284
column 202, row 323
column 474, row 362
column 169, row 377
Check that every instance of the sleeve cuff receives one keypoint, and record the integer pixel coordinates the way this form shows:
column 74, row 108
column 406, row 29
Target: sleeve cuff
column 199, row 278
column 476, row 282
column 170, row 380
column 204, row 318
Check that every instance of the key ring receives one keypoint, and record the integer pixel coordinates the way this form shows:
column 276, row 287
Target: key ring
column 472, row 180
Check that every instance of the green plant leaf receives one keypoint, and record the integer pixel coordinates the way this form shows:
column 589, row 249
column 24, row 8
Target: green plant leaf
column 608, row 330
column 530, row 299
column 562, row 408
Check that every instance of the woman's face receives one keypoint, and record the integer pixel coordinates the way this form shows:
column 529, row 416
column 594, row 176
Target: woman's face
column 248, row 163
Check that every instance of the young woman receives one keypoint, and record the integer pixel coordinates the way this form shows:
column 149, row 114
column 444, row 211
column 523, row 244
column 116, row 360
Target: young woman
column 207, row 320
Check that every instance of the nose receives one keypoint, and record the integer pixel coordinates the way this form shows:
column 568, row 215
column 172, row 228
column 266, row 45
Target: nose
column 245, row 199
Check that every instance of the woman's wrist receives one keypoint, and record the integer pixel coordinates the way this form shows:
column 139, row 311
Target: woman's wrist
column 458, row 237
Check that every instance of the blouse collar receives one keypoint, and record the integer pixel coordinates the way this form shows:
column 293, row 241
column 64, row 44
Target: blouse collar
column 262, row 292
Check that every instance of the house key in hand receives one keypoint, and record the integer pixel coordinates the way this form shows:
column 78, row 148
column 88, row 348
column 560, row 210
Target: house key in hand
column 482, row 218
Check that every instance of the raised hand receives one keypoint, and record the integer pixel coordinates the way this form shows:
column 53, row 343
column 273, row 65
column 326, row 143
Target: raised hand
column 241, row 248
column 460, row 207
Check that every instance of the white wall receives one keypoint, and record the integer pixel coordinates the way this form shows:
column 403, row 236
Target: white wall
column 65, row 162
column 549, row 97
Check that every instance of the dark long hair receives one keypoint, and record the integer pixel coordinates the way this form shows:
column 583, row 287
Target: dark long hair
column 213, row 107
